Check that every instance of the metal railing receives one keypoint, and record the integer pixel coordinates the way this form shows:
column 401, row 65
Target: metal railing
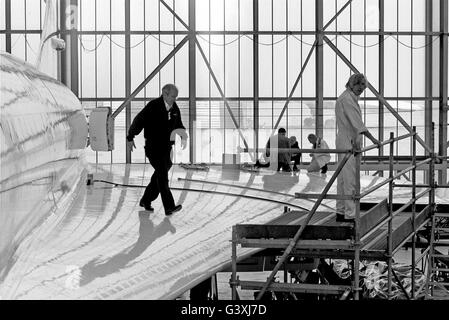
column 358, row 240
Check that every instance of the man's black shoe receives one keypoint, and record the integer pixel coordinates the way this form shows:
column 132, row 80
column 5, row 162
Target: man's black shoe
column 173, row 210
column 342, row 218
column 147, row 207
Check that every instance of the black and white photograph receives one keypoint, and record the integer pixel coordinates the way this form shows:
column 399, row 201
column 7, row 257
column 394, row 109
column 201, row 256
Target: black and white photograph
column 226, row 155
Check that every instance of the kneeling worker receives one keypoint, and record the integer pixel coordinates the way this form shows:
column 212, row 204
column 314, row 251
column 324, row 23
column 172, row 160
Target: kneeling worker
column 296, row 154
column 319, row 160
column 279, row 151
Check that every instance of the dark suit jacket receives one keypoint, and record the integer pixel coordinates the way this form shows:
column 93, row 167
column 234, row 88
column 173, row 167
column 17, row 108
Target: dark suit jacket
column 157, row 124
column 282, row 143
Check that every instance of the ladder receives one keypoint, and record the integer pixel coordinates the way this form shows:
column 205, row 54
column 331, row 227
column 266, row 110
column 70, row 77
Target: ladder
column 438, row 269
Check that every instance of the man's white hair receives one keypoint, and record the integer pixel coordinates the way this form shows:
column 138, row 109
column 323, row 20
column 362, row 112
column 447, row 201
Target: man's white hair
column 169, row 87
column 356, row 78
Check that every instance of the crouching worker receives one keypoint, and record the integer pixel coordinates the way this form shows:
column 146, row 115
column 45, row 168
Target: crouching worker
column 319, row 160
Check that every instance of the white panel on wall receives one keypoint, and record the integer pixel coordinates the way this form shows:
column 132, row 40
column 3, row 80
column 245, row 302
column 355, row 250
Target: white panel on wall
column 280, row 66
column 137, row 13
column 217, row 15
column 103, row 14
column 231, row 14
column 137, row 63
column 231, row 71
column 265, row 22
column 265, row 67
column 246, row 67
column 202, row 15
column 33, row 14
column 18, row 14
column 246, row 14
column 118, row 66
column 87, row 76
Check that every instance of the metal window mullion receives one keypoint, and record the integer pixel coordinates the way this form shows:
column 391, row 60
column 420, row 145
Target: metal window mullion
column 159, row 42
column 279, row 98
column 319, row 68
column 192, row 82
column 80, row 37
column 174, row 43
column 286, row 61
column 238, row 66
column 428, row 75
column 336, row 43
column 58, row 61
column 174, row 64
column 210, row 92
column 144, row 54
column 232, row 32
column 272, row 65
column 443, row 108
column 224, row 74
column 397, row 73
column 110, row 60
column 40, row 14
column 25, row 34
column 411, row 69
column 8, row 25
column 336, row 62
column 128, row 74
column 350, row 36
column 74, row 81
column 256, row 75
column 364, row 64
column 145, row 62
column 95, row 53
column 302, row 62
column 110, row 51
column 381, row 116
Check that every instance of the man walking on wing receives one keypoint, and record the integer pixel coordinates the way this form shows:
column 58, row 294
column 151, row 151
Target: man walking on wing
column 159, row 119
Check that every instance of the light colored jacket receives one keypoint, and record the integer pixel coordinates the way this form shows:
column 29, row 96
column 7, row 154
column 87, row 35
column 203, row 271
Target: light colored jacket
column 349, row 120
column 321, row 158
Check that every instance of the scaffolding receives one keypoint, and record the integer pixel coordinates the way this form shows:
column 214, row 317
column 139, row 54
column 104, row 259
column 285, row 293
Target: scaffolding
column 376, row 234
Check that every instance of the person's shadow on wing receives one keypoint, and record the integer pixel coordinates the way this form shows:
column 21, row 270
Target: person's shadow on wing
column 148, row 233
column 279, row 181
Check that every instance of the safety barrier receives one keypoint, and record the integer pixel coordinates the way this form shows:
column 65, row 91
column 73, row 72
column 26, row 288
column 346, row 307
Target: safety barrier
column 394, row 241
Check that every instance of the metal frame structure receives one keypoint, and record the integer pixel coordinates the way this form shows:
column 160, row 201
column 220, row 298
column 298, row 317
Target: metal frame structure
column 70, row 68
column 313, row 244
column 444, row 106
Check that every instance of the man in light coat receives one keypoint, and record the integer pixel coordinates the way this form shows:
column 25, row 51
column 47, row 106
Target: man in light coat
column 350, row 128
column 319, row 160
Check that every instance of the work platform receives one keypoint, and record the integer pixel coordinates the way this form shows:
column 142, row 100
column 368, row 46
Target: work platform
column 325, row 237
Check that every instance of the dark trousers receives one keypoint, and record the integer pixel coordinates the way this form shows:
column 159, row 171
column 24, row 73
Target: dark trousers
column 161, row 163
column 297, row 159
column 324, row 169
column 284, row 166
column 281, row 165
